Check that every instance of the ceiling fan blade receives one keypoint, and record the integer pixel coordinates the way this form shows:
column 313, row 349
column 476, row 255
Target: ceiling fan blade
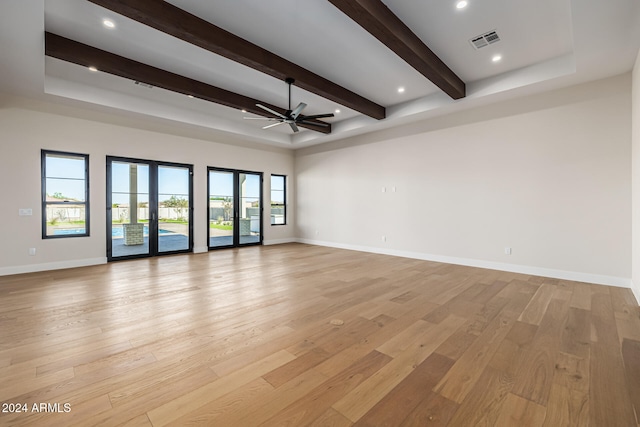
column 260, row 118
column 298, row 110
column 293, row 126
column 272, row 125
column 318, row 116
column 306, row 122
column 275, row 113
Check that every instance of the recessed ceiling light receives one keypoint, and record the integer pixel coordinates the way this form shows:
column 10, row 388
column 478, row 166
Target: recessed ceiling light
column 337, row 111
column 108, row 23
column 496, row 58
column 400, row 90
column 244, row 111
column 190, row 96
column 461, row 4
column 92, row 68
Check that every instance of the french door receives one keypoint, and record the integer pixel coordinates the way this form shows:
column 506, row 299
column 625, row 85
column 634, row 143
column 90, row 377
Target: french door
column 149, row 208
column 234, row 208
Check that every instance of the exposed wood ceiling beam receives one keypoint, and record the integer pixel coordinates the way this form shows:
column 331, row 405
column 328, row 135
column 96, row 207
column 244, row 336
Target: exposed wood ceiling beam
column 375, row 17
column 174, row 21
column 81, row 54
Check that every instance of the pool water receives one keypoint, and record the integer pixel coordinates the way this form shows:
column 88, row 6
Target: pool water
column 118, row 231
column 67, row 231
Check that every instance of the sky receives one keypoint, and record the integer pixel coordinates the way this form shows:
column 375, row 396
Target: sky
column 67, row 176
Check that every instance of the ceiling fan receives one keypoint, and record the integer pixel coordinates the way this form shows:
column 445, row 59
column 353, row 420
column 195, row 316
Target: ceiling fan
column 291, row 117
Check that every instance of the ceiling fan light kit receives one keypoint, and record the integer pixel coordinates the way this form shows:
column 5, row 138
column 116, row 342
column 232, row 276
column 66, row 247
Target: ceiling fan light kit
column 291, row 117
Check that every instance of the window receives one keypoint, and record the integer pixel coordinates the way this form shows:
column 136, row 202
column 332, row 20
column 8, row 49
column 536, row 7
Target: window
column 278, row 200
column 65, row 194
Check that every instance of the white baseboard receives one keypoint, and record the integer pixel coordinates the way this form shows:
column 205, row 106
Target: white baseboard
column 514, row 268
column 635, row 288
column 279, row 241
column 622, row 282
column 32, row 268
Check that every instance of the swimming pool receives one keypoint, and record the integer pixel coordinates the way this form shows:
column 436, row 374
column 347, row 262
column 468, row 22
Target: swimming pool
column 67, row 231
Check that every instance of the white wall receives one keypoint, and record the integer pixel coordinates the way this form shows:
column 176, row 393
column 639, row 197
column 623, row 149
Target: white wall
column 548, row 176
column 636, row 178
column 24, row 132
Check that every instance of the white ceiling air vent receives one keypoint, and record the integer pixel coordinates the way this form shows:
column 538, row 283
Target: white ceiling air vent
column 143, row 84
column 484, row 39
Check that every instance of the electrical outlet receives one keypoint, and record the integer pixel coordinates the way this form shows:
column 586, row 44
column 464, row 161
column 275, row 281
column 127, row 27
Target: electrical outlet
column 384, row 238
column 507, row 250
column 32, row 251
column 25, row 212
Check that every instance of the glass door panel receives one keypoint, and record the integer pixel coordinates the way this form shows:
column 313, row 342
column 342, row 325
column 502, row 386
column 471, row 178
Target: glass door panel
column 221, row 208
column 173, row 208
column 149, row 208
column 235, row 208
column 250, row 223
column 129, row 223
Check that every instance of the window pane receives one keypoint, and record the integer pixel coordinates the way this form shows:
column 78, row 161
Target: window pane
column 173, row 208
column 129, row 208
column 66, row 166
column 277, row 189
column 221, row 184
column 278, row 200
column 249, row 222
column 61, row 189
column 173, row 180
column 66, row 220
column 277, row 182
column 121, row 177
column 277, row 197
column 221, row 208
column 64, row 199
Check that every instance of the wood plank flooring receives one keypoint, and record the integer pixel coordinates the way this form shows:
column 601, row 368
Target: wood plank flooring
column 248, row 337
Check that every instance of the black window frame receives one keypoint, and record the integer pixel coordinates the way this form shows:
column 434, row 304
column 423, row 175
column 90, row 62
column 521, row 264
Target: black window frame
column 284, row 197
column 45, row 203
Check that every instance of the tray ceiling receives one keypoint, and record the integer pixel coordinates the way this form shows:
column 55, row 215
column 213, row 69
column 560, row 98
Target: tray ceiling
column 543, row 45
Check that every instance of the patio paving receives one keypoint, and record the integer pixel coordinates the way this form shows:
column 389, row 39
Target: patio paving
column 166, row 243
column 217, row 241
column 172, row 242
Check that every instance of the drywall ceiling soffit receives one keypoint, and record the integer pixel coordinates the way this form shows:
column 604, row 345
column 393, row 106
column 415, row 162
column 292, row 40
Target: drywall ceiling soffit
column 359, row 123
column 544, row 44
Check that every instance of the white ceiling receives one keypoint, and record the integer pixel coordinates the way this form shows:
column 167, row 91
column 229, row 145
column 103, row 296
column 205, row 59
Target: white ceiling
column 544, row 44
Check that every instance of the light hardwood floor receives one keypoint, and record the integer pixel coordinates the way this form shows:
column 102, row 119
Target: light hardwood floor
column 252, row 337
